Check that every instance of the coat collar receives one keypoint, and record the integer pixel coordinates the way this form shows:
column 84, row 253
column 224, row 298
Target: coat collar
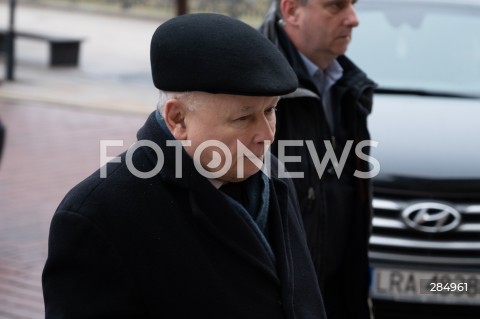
column 178, row 167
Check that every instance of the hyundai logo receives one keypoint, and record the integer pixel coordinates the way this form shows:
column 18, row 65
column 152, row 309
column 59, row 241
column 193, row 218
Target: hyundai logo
column 431, row 217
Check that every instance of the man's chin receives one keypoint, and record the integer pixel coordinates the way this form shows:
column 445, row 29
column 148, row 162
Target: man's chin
column 235, row 178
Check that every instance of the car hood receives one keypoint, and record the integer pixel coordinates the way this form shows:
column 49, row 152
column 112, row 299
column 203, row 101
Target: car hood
column 426, row 144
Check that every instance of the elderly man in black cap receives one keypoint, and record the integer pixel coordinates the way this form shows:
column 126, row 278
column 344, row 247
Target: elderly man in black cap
column 193, row 221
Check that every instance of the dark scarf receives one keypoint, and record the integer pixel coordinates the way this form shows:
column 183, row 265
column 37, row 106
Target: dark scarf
column 251, row 200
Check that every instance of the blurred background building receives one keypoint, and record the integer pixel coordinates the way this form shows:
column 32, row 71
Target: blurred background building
column 251, row 11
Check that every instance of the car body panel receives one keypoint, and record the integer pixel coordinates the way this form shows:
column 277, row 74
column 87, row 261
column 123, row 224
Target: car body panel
column 428, row 140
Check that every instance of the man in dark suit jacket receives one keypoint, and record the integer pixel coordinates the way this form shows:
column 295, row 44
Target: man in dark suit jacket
column 193, row 221
column 329, row 112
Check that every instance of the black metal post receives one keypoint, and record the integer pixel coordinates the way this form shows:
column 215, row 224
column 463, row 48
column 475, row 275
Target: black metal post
column 10, row 44
column 182, row 7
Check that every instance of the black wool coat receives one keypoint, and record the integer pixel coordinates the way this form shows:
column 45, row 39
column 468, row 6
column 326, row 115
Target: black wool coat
column 171, row 247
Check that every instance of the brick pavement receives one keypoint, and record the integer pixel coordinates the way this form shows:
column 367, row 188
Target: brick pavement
column 48, row 150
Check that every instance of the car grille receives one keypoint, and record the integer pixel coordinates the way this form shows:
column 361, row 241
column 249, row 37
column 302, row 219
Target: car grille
column 394, row 240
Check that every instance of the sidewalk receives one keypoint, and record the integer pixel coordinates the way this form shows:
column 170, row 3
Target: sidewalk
column 55, row 119
column 114, row 70
column 48, row 150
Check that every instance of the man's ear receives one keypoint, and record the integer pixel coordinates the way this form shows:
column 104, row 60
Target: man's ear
column 175, row 112
column 289, row 10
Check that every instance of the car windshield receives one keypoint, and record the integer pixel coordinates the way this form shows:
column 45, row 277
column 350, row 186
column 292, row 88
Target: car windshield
column 433, row 49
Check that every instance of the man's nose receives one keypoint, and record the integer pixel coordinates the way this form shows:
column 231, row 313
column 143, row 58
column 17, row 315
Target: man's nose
column 351, row 19
column 264, row 130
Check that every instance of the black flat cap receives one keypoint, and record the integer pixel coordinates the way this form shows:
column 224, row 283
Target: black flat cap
column 217, row 54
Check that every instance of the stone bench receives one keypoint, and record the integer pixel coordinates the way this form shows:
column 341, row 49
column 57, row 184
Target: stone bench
column 64, row 51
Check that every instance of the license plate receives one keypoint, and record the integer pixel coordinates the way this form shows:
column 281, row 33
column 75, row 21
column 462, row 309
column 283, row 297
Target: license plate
column 425, row 286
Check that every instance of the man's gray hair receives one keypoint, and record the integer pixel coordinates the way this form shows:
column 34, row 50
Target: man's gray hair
column 277, row 5
column 187, row 97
